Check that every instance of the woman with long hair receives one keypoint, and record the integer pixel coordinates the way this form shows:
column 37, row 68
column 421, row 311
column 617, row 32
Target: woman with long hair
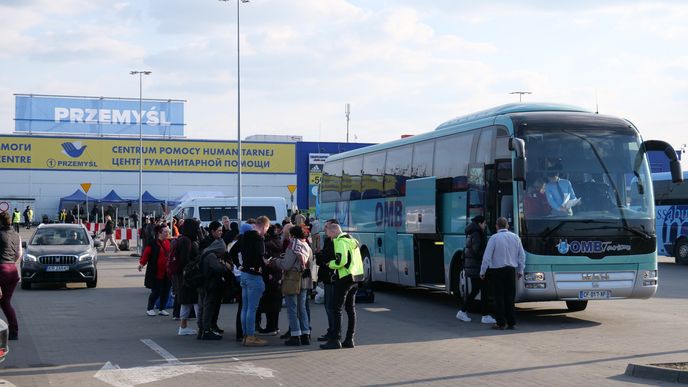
column 300, row 259
column 186, row 249
column 154, row 257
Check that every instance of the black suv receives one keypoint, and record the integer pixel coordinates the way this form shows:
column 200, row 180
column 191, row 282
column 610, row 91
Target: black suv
column 60, row 253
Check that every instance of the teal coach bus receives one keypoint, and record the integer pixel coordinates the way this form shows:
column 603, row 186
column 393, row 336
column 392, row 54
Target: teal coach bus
column 408, row 201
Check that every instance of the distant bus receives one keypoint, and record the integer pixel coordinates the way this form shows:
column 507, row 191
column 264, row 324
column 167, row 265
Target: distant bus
column 408, row 201
column 208, row 209
column 671, row 206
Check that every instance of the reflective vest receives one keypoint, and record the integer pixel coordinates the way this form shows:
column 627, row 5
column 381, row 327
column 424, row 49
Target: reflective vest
column 16, row 217
column 63, row 216
column 348, row 259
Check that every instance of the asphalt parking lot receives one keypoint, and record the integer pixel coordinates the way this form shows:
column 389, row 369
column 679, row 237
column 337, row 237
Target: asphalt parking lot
column 98, row 337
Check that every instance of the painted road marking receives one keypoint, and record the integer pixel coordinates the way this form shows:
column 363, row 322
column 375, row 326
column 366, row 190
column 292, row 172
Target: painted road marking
column 113, row 375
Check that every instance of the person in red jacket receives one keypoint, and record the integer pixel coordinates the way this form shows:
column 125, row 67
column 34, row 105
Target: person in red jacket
column 154, row 257
column 536, row 205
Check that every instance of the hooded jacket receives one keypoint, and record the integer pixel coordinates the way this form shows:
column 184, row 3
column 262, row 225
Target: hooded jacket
column 212, row 266
column 474, row 250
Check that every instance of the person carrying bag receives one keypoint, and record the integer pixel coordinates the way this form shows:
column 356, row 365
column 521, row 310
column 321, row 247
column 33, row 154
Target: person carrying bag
column 296, row 282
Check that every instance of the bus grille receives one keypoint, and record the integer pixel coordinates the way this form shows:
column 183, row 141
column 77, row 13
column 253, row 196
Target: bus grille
column 57, row 259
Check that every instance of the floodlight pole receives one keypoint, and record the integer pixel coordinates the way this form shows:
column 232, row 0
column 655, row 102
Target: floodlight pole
column 140, row 73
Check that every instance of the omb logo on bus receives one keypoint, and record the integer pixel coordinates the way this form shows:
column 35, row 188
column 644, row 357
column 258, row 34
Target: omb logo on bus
column 590, row 247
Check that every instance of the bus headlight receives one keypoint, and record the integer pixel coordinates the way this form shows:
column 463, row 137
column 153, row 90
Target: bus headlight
column 649, row 274
column 652, row 282
column 534, row 276
column 537, row 285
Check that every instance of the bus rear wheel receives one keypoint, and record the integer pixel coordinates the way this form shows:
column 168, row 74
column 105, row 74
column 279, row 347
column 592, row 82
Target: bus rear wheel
column 576, row 306
column 681, row 252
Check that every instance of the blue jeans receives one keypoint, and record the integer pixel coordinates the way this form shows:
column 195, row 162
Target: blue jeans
column 298, row 316
column 252, row 288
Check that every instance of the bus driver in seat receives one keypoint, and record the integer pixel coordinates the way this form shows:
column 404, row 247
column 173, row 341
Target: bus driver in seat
column 560, row 195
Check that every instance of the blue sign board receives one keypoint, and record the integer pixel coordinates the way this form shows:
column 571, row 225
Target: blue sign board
column 98, row 116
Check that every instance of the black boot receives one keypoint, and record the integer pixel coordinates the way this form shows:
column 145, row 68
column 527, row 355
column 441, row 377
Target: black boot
column 325, row 337
column 210, row 335
column 306, row 339
column 332, row 344
column 294, row 341
column 349, row 340
column 348, row 343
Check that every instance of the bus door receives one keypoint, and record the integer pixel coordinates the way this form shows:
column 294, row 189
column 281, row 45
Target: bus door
column 421, row 252
column 390, row 246
column 505, row 191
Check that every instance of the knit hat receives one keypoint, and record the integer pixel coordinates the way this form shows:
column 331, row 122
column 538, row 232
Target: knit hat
column 245, row 227
column 218, row 245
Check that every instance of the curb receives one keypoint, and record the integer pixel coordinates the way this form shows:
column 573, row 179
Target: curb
column 664, row 374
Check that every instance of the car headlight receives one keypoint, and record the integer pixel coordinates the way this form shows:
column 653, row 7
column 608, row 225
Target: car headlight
column 30, row 258
column 86, row 257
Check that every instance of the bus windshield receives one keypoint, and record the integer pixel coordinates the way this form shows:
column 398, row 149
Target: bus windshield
column 584, row 174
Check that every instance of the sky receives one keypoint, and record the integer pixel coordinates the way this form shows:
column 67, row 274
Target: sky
column 404, row 66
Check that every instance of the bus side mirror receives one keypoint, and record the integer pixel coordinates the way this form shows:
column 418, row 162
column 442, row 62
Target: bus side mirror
column 519, row 169
column 661, row 146
column 676, row 171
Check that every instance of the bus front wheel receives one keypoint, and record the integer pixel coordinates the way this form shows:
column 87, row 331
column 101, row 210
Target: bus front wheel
column 576, row 306
column 681, row 252
column 367, row 269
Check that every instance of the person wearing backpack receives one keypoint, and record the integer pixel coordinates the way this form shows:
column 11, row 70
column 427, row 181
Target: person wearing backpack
column 185, row 250
column 348, row 267
column 210, row 294
column 154, row 257
column 473, row 258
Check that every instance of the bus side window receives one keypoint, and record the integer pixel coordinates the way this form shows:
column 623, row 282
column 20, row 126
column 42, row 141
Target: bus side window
column 373, row 175
column 331, row 183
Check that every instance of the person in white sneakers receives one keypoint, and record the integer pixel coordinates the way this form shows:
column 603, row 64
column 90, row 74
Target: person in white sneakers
column 473, row 258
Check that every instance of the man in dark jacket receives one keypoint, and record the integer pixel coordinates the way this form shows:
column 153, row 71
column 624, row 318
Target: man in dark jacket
column 473, row 258
column 325, row 275
column 210, row 294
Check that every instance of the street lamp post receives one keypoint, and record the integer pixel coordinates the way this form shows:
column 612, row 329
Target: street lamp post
column 520, row 94
column 140, row 73
column 238, row 115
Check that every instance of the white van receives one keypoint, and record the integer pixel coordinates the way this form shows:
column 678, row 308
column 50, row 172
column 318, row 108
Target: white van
column 208, row 209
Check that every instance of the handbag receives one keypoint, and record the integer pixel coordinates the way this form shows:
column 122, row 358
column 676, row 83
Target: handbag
column 291, row 283
column 291, row 280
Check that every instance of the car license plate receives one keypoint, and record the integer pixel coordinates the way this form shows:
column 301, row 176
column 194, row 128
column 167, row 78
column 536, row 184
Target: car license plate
column 594, row 294
column 57, row 268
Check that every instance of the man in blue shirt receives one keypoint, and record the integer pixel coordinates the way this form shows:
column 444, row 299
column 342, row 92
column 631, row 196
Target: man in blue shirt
column 503, row 261
column 558, row 192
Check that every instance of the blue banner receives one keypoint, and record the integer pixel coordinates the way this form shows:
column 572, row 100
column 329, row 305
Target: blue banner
column 98, row 116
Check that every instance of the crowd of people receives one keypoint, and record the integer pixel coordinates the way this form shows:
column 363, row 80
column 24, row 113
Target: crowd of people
column 260, row 266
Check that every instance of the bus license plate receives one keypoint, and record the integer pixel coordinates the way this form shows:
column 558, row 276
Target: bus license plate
column 57, row 268
column 594, row 294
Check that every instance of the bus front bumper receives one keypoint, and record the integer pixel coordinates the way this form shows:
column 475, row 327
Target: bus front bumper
column 586, row 285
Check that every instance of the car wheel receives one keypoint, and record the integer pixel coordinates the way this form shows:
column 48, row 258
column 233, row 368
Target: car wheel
column 26, row 285
column 92, row 284
column 576, row 306
column 681, row 252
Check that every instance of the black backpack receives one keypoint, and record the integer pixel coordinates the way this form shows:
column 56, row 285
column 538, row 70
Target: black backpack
column 192, row 275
